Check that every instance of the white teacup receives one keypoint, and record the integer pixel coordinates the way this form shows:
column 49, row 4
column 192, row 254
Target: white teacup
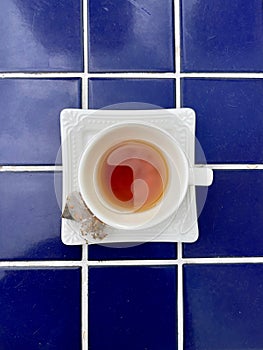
column 179, row 175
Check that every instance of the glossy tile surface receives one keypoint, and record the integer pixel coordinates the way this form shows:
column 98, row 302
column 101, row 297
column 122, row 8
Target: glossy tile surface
column 29, row 119
column 223, row 307
column 229, row 119
column 142, row 251
column 231, row 221
column 41, row 35
column 36, row 306
column 109, row 92
column 222, row 35
column 131, row 35
column 30, row 219
column 125, row 307
column 132, row 308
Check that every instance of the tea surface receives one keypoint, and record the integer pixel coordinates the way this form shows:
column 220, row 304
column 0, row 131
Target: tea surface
column 132, row 175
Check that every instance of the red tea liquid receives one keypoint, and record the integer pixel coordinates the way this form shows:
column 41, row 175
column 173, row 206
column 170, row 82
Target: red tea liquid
column 132, row 176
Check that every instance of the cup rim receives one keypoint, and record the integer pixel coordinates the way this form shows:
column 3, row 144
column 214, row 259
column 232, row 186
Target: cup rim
column 96, row 139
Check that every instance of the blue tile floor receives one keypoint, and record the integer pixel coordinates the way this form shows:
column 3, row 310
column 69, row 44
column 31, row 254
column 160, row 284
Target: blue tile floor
column 221, row 36
column 160, row 93
column 229, row 122
column 126, row 36
column 30, row 219
column 30, row 108
column 231, row 221
column 207, row 55
column 38, row 36
column 219, row 303
column 134, row 315
column 36, row 307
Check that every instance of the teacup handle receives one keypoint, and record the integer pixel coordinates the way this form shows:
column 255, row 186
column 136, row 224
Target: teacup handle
column 201, row 176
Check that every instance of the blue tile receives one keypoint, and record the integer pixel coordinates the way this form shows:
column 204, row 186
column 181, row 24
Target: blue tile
column 231, row 222
column 222, row 35
column 41, row 35
column 131, row 35
column 30, row 132
column 40, row 309
column 30, row 219
column 132, row 308
column 142, row 251
column 106, row 92
column 229, row 118
column 223, row 307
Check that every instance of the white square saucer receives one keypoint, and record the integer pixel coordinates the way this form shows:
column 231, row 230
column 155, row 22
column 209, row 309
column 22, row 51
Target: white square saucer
column 78, row 126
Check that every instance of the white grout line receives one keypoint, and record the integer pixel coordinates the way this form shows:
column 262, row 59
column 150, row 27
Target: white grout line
column 84, row 298
column 85, row 263
column 85, row 270
column 122, row 75
column 85, row 35
column 27, row 168
column 84, row 93
column 131, row 262
column 179, row 261
column 223, row 75
column 133, row 75
column 42, row 75
column 177, row 51
column 41, row 263
column 227, row 260
column 233, row 166
column 85, row 48
column 180, row 305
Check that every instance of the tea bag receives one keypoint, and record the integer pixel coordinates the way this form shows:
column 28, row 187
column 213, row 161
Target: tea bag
column 76, row 210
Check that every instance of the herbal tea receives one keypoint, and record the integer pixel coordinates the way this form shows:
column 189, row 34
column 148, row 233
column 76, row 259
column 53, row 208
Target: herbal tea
column 132, row 176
